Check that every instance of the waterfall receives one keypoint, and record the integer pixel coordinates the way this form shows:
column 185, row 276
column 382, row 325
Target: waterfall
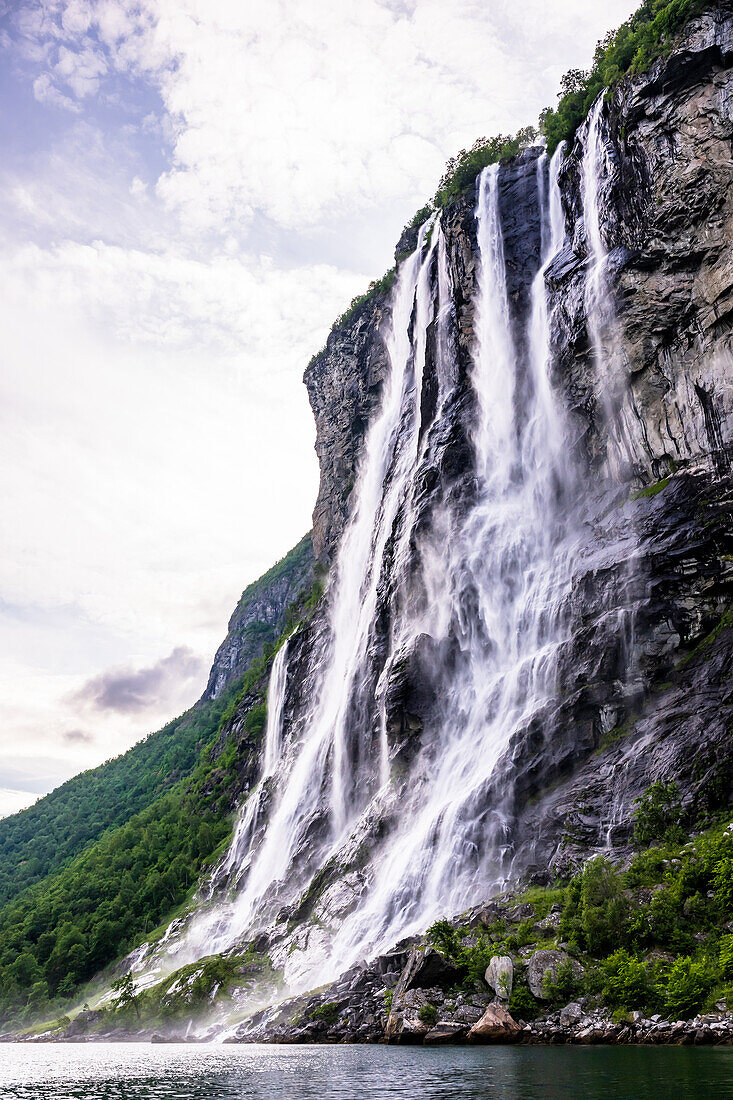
column 598, row 171
column 338, row 762
column 480, row 579
column 623, row 432
column 245, row 830
column 275, row 704
column 545, row 415
column 498, row 580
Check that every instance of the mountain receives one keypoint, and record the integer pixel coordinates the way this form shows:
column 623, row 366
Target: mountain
column 510, row 675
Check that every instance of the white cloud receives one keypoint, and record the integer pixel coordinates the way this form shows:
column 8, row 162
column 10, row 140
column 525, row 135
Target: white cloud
column 13, row 801
column 45, row 92
column 81, row 69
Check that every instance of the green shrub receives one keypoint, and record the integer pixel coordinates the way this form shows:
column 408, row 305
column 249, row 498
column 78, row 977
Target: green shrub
column 420, row 217
column 443, row 935
column 327, row 1012
column 642, row 38
column 522, row 1005
column 658, row 815
column 461, row 171
column 624, row 981
column 564, row 987
column 725, row 957
column 376, row 287
column 686, row 987
column 255, row 721
column 596, row 912
column 428, row 1014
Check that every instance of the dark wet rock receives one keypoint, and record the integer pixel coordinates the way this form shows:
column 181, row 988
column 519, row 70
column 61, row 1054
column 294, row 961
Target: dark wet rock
column 424, row 969
column 444, row 1033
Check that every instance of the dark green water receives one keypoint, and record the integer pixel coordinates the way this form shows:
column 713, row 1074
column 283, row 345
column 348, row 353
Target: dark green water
column 127, row 1071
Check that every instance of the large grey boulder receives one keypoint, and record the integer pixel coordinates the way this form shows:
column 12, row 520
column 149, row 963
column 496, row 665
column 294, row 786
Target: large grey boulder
column 547, row 963
column 425, row 969
column 500, row 976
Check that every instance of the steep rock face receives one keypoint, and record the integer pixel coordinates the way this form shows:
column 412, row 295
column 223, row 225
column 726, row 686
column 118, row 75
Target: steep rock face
column 344, row 383
column 669, row 215
column 259, row 617
column 669, row 225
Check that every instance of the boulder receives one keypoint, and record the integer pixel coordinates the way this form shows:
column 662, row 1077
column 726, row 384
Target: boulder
column 572, row 1014
column 424, row 970
column 495, row 1026
column 445, row 1032
column 548, row 962
column 500, row 976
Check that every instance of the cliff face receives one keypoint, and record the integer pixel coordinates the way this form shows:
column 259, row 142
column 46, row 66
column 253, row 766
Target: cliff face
column 669, row 224
column 659, row 582
column 343, row 384
column 259, row 617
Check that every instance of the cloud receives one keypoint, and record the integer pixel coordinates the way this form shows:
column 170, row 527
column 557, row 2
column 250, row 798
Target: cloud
column 78, row 737
column 129, row 691
column 12, row 802
column 305, row 112
column 45, row 92
column 81, row 70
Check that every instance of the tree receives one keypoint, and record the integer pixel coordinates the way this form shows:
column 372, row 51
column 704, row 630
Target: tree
column 126, row 994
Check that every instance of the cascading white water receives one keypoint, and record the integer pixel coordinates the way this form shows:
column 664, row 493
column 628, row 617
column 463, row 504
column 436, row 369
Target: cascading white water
column 245, row 830
column 545, row 414
column 621, row 426
column 497, row 581
column 485, row 579
column 275, row 704
column 320, row 769
column 597, row 174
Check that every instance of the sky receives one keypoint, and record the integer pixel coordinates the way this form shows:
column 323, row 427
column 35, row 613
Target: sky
column 192, row 191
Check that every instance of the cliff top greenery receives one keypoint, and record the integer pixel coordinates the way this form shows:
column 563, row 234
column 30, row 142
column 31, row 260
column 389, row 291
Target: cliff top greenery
column 294, row 562
column 462, row 169
column 645, row 36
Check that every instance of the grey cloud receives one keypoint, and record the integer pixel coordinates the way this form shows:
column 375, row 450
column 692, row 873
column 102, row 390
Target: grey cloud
column 129, row 691
column 77, row 737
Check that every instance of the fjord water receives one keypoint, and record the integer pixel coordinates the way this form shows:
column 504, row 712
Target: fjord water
column 141, row 1072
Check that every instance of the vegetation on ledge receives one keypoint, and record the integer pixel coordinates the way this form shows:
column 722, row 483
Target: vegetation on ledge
column 461, row 171
column 656, row 937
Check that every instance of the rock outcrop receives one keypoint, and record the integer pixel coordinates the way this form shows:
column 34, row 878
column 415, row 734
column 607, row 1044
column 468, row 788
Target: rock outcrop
column 259, row 617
